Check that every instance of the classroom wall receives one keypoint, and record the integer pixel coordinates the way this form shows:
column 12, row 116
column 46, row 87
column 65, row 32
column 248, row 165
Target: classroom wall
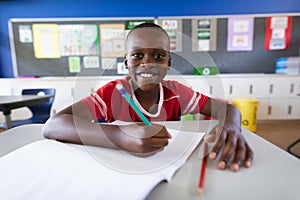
column 113, row 8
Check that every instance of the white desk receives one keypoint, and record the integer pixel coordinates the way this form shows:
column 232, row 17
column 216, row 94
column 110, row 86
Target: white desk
column 7, row 103
column 275, row 174
column 19, row 136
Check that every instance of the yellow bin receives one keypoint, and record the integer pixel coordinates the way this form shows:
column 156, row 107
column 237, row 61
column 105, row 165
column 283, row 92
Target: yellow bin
column 248, row 109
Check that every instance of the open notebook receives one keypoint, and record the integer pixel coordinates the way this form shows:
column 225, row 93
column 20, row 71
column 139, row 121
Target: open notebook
column 49, row 169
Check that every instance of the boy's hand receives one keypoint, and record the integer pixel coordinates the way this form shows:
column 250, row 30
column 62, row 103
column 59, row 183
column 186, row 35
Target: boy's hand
column 142, row 140
column 231, row 146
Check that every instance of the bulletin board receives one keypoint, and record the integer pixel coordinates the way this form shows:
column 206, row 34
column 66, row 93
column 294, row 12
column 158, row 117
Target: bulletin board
column 253, row 60
column 69, row 47
column 31, row 60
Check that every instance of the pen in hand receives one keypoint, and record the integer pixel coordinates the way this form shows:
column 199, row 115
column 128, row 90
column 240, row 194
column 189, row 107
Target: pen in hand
column 125, row 94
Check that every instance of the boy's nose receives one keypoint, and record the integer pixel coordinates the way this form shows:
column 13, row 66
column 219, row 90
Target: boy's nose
column 147, row 60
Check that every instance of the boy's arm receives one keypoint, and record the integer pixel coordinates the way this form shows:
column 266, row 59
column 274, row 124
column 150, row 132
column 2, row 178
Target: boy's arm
column 73, row 124
column 229, row 142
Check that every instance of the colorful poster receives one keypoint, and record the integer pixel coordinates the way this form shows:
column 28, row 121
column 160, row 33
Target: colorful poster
column 204, row 34
column 278, row 33
column 240, row 34
column 45, row 41
column 78, row 40
column 112, row 40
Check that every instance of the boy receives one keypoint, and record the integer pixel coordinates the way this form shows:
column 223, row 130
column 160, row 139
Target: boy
column 148, row 59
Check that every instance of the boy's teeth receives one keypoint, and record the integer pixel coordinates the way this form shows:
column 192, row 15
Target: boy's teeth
column 146, row 75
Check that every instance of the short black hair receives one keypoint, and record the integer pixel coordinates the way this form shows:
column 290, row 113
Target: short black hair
column 147, row 24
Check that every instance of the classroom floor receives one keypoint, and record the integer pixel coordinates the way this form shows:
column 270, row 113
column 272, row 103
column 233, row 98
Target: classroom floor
column 280, row 133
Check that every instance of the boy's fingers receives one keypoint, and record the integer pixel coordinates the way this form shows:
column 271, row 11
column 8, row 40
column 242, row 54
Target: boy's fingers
column 163, row 135
column 239, row 156
column 249, row 157
column 229, row 150
column 209, row 138
column 221, row 137
column 214, row 134
column 216, row 149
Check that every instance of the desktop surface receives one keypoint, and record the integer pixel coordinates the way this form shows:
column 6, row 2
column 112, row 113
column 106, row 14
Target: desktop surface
column 273, row 175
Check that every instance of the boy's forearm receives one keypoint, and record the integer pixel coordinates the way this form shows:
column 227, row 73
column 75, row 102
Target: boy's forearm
column 222, row 111
column 67, row 128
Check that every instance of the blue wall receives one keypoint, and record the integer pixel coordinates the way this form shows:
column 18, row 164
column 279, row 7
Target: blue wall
column 113, row 8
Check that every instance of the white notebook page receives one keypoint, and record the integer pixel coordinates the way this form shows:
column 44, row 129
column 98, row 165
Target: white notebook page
column 49, row 169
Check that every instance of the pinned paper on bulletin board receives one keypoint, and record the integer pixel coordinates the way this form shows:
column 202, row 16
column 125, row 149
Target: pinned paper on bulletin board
column 78, row 40
column 112, row 40
column 74, row 64
column 204, row 34
column 121, row 68
column 45, row 41
column 173, row 27
column 91, row 62
column 130, row 24
column 207, row 70
column 108, row 63
column 240, row 34
column 278, row 33
column 25, row 33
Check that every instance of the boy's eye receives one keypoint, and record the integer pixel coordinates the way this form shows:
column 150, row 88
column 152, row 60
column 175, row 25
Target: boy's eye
column 159, row 56
column 156, row 56
column 136, row 56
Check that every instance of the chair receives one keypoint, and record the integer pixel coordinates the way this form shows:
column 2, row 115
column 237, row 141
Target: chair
column 289, row 148
column 41, row 112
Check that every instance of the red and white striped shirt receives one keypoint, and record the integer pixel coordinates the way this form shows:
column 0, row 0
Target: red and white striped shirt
column 175, row 100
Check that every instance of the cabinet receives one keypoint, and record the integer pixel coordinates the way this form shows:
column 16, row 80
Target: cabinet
column 278, row 95
column 253, row 87
column 284, row 97
column 284, row 87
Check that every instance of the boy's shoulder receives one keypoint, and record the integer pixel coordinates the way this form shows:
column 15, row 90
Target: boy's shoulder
column 172, row 84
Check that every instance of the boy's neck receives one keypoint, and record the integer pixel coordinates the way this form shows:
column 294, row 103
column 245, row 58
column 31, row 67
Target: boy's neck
column 148, row 99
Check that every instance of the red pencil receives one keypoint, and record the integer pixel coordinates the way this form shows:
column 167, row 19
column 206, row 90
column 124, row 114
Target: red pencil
column 202, row 172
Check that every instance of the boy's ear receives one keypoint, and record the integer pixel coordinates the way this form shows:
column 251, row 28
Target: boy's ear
column 125, row 61
column 169, row 61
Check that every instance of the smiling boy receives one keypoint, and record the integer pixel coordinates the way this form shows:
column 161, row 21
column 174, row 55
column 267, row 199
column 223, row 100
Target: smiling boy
column 148, row 60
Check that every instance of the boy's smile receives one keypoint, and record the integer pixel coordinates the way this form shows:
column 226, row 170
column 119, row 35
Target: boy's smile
column 148, row 74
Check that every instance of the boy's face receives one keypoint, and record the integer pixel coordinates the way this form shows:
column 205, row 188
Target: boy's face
column 147, row 57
